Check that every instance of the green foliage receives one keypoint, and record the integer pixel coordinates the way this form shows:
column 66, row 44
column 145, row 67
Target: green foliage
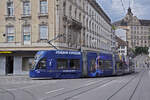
column 113, row 27
column 141, row 50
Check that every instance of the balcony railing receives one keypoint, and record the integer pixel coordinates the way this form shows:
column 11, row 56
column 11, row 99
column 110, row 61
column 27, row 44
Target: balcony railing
column 43, row 15
column 25, row 15
column 7, row 17
column 72, row 22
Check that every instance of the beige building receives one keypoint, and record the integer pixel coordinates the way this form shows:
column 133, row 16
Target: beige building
column 27, row 25
column 138, row 30
column 121, row 46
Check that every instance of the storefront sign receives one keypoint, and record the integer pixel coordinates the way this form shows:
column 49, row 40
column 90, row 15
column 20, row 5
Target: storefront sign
column 5, row 52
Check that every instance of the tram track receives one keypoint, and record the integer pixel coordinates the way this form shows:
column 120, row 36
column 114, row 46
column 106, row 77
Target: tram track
column 6, row 91
column 81, row 89
column 82, row 92
column 84, row 88
column 70, row 94
column 97, row 86
column 13, row 94
column 121, row 88
column 139, row 81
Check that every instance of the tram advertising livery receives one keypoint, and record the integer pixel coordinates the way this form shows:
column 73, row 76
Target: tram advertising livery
column 74, row 64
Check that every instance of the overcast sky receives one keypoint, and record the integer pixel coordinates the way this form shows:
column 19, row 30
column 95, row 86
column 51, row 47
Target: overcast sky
column 115, row 10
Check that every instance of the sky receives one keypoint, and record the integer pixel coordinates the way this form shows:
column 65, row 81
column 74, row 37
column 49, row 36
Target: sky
column 115, row 10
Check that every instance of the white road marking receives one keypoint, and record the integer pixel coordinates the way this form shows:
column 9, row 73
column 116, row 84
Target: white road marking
column 107, row 84
column 55, row 90
column 90, row 83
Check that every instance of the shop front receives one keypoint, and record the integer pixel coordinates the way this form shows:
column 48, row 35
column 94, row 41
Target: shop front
column 16, row 62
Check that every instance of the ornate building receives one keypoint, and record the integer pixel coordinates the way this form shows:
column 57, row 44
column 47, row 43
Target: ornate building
column 121, row 46
column 27, row 25
column 138, row 30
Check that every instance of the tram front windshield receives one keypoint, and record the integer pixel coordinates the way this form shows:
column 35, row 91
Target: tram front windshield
column 39, row 63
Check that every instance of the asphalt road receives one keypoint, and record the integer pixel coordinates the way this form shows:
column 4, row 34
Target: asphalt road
column 128, row 87
column 134, row 86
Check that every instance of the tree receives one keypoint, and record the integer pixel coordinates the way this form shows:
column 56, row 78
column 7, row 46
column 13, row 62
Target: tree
column 141, row 50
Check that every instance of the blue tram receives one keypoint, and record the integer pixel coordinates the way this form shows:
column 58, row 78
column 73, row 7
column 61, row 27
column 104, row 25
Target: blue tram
column 73, row 64
column 57, row 64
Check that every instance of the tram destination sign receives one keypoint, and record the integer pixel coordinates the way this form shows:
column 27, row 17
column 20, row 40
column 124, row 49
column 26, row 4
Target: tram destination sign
column 68, row 52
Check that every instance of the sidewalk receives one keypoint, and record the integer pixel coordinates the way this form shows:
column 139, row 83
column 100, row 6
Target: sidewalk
column 13, row 78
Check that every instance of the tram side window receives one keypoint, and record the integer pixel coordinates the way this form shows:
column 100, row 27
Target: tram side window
column 75, row 64
column 62, row 64
column 93, row 65
column 101, row 65
column 107, row 64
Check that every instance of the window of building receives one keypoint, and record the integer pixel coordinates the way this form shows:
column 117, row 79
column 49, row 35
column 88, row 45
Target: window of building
column 87, row 22
column 10, row 33
column 84, row 20
column 75, row 13
column 26, row 34
column 87, row 8
column 83, row 4
column 10, row 9
column 43, row 7
column 141, row 32
column 141, row 27
column 122, row 47
column 64, row 8
column 26, row 8
column 70, row 10
column 64, row 37
column 134, row 27
column 79, row 3
column 79, row 16
column 27, row 63
column 134, row 32
column 90, row 12
column 90, row 25
column 43, row 32
column 122, row 51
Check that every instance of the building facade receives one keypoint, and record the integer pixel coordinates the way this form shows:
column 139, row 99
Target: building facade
column 138, row 30
column 27, row 25
column 121, row 46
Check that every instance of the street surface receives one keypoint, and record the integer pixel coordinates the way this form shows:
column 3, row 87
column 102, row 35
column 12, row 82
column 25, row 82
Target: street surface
column 128, row 87
column 134, row 86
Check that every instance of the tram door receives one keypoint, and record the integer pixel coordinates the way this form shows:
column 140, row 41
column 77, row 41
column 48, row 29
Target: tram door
column 9, row 65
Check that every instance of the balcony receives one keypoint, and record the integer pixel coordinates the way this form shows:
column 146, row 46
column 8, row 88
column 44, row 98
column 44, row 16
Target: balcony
column 43, row 15
column 9, row 17
column 25, row 16
column 72, row 22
